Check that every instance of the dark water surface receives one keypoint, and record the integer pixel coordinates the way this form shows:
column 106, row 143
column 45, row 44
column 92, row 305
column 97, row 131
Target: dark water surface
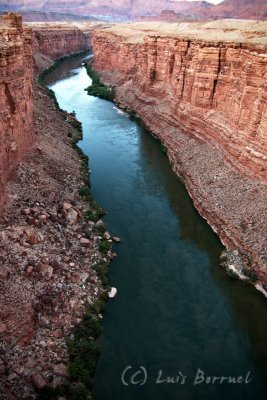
column 176, row 310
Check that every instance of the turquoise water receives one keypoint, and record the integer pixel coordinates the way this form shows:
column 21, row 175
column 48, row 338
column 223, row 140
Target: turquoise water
column 176, row 311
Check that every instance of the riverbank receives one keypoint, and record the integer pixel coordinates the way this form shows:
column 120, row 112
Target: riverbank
column 54, row 264
column 226, row 185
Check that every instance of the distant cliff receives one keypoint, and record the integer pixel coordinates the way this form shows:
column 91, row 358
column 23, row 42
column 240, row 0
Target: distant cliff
column 16, row 95
column 56, row 39
column 191, row 10
column 202, row 91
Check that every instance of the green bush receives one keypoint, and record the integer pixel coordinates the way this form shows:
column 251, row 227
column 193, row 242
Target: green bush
column 98, row 88
column 163, row 149
column 76, row 124
column 102, row 272
column 105, row 246
column 251, row 275
column 84, row 191
column 133, row 116
column 101, row 91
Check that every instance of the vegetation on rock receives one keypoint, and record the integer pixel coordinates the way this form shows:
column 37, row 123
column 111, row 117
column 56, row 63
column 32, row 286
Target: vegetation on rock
column 98, row 88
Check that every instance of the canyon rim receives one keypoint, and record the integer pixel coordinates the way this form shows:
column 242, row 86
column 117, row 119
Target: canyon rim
column 199, row 87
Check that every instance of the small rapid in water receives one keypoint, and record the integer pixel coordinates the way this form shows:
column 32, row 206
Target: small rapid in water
column 177, row 319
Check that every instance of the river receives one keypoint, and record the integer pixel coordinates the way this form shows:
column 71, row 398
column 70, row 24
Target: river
column 177, row 316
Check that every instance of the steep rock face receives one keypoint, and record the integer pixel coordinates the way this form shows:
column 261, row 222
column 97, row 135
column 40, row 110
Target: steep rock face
column 18, row 45
column 16, row 95
column 216, row 91
column 206, row 100
column 57, row 39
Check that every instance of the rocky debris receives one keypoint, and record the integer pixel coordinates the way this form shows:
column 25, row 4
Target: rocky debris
column 3, row 328
column 48, row 251
column 112, row 293
column 72, row 216
column 100, row 224
column 2, row 367
column 85, row 242
column 61, row 370
column 3, row 273
column 39, row 381
column 116, row 239
column 107, row 236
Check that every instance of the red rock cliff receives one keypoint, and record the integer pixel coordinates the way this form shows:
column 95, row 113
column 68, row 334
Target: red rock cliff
column 18, row 45
column 56, row 39
column 212, row 89
column 16, row 95
column 202, row 90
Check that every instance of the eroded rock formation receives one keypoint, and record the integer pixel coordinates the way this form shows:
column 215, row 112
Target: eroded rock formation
column 57, row 39
column 19, row 46
column 202, row 90
column 16, row 95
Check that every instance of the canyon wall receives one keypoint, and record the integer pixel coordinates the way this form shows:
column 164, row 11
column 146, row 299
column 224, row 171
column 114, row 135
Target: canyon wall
column 202, row 90
column 22, row 49
column 56, row 39
column 16, row 95
column 213, row 90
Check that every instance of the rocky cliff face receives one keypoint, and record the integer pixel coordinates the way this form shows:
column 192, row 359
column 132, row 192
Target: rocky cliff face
column 16, row 96
column 18, row 46
column 202, row 91
column 214, row 90
column 57, row 39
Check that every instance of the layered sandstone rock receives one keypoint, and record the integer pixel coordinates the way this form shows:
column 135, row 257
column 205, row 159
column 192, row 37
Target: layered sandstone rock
column 18, row 45
column 202, row 90
column 16, row 96
column 57, row 39
column 214, row 89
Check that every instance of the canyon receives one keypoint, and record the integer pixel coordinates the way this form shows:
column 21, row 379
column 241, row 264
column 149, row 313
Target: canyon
column 48, row 248
column 53, row 40
column 201, row 89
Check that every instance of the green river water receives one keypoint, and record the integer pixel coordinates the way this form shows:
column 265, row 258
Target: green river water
column 176, row 312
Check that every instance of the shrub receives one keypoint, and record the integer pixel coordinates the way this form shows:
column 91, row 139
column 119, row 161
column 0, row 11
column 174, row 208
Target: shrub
column 98, row 88
column 105, row 246
column 251, row 275
column 163, row 149
column 101, row 91
column 102, row 272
